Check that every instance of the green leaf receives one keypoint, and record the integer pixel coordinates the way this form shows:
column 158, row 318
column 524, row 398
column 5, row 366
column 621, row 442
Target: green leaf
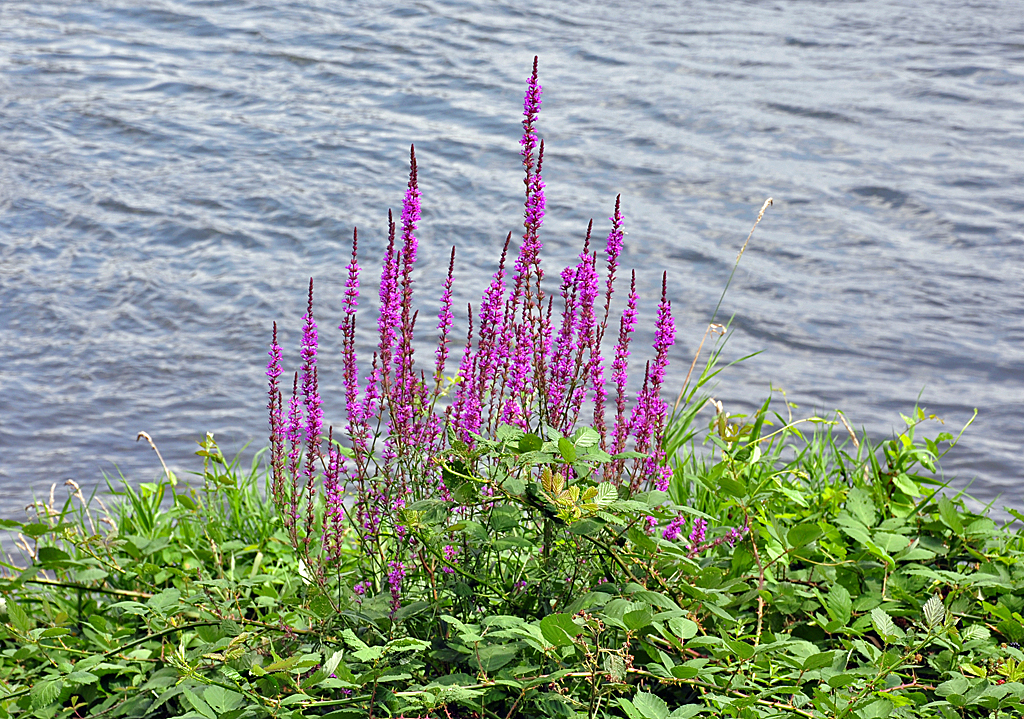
column 741, row 649
column 861, row 505
column 81, row 678
column 493, row 656
column 638, row 618
column 650, row 706
column 407, row 644
column 559, row 629
column 586, row 437
column 803, row 534
column 18, row 617
column 683, row 628
column 52, row 555
column 283, row 665
column 839, row 604
column 950, row 516
column 567, row 450
column 878, row 709
column 606, row 494
column 906, row 485
column 884, row 625
column 956, row 685
column 221, row 700
column 839, row 681
column 891, row 543
column 817, row 661
column 732, row 486
column 530, row 443
column 164, row 600
column 934, row 612
column 45, row 693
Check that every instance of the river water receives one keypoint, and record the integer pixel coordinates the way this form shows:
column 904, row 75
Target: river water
column 173, row 172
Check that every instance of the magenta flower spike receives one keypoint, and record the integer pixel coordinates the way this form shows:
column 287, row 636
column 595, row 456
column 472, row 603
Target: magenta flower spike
column 620, row 366
column 357, row 429
column 274, row 406
column 294, row 435
column 673, row 529
column 390, row 306
column 395, row 577
column 528, row 262
column 444, row 322
column 697, row 534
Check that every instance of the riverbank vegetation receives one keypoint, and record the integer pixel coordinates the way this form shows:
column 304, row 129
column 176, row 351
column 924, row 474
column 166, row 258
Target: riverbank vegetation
column 523, row 535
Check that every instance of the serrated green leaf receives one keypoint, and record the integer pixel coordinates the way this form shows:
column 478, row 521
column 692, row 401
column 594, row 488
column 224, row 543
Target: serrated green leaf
column 956, row 685
column 839, row 681
column 884, row 625
column 18, row 616
column 861, row 505
column 638, row 618
column 198, row 704
column 950, row 516
column 817, row 661
column 221, row 700
column 839, row 604
column 45, row 693
column 586, row 437
column 683, row 628
column 567, row 450
column 803, row 534
column 934, row 612
column 650, row 706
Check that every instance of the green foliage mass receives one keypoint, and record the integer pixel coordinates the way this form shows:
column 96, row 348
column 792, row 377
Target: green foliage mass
column 853, row 584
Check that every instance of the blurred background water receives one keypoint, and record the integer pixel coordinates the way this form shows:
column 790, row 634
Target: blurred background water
column 173, row 171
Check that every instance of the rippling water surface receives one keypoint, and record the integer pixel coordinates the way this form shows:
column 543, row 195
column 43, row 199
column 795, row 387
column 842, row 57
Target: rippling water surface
column 171, row 174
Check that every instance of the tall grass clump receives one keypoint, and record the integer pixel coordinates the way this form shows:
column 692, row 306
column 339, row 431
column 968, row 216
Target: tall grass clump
column 514, row 535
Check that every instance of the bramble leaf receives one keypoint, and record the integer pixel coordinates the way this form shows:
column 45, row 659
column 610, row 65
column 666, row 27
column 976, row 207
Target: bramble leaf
column 934, row 612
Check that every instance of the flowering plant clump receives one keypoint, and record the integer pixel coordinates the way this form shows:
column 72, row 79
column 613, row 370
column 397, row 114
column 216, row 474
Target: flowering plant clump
column 515, row 536
column 531, row 371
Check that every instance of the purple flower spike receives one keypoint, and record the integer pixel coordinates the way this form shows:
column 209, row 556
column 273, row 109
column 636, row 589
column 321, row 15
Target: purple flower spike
column 314, row 412
column 274, row 406
column 357, row 429
column 619, row 368
column 444, row 321
column 697, row 534
column 673, row 529
column 395, row 577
